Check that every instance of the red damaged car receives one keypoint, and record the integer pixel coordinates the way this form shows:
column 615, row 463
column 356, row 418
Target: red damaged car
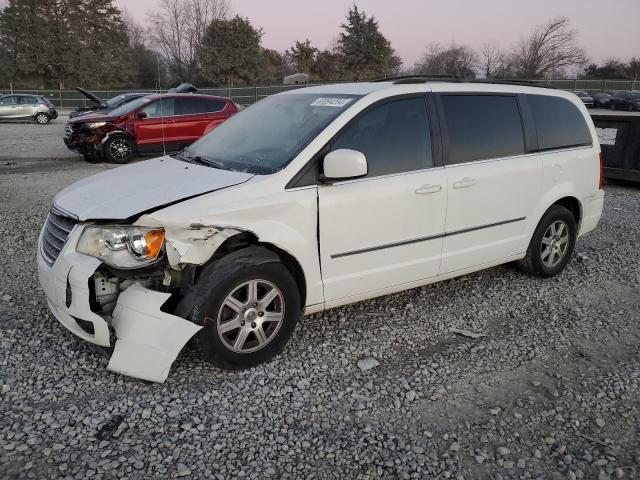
column 147, row 125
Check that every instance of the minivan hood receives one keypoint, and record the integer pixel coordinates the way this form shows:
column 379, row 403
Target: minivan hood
column 124, row 192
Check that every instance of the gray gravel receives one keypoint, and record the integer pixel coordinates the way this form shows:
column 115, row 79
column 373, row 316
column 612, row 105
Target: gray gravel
column 25, row 140
column 551, row 392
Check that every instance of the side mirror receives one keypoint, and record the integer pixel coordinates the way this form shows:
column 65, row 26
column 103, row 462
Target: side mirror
column 141, row 115
column 344, row 164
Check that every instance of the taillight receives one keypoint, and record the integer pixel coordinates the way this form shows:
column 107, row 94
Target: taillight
column 43, row 105
column 600, row 179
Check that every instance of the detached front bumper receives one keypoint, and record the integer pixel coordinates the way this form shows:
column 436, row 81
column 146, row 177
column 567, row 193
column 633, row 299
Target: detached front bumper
column 147, row 340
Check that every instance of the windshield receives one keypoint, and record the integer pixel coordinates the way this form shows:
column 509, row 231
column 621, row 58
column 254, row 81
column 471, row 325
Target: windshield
column 265, row 137
column 635, row 95
column 129, row 107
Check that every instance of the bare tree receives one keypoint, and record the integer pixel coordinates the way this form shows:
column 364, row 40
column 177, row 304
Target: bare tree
column 549, row 50
column 135, row 31
column 177, row 28
column 455, row 60
column 492, row 60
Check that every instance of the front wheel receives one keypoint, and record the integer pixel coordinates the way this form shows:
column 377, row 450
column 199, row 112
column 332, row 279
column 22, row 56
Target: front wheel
column 249, row 307
column 42, row 118
column 552, row 244
column 119, row 149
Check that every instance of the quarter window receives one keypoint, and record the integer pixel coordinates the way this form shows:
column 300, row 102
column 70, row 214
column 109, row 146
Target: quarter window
column 394, row 137
column 482, row 126
column 559, row 123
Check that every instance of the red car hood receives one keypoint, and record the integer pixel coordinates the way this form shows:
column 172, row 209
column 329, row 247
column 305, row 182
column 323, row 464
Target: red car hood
column 94, row 117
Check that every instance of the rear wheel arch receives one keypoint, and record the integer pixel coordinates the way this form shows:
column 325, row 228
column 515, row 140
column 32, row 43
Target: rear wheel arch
column 573, row 205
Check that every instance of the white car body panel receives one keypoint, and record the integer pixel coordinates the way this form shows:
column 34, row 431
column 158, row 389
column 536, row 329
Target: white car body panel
column 498, row 192
column 353, row 240
column 123, row 192
column 373, row 231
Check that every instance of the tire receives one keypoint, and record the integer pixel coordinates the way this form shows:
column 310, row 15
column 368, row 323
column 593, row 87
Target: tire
column 630, row 108
column 42, row 118
column 236, row 333
column 119, row 149
column 538, row 260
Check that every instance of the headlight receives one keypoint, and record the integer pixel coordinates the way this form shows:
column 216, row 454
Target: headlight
column 122, row 247
column 96, row 125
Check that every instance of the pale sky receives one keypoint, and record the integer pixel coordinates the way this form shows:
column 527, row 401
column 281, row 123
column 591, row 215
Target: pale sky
column 609, row 29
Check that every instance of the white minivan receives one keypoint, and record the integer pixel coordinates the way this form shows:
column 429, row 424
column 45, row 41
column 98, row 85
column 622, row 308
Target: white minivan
column 312, row 199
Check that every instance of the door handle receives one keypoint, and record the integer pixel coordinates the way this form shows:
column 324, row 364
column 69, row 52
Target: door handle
column 465, row 183
column 424, row 189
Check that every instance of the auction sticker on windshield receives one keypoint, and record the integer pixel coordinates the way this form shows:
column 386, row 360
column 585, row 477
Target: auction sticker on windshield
column 331, row 102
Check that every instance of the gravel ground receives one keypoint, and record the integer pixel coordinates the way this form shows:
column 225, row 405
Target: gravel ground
column 551, row 392
column 27, row 140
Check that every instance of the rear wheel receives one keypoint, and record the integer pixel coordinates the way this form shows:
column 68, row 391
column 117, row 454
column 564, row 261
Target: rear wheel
column 119, row 149
column 42, row 118
column 551, row 245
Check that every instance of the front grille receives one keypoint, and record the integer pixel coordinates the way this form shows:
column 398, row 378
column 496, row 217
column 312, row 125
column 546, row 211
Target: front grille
column 56, row 230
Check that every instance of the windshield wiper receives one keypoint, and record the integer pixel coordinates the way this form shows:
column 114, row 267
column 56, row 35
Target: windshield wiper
column 198, row 160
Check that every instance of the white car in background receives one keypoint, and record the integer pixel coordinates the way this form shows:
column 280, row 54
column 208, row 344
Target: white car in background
column 312, row 199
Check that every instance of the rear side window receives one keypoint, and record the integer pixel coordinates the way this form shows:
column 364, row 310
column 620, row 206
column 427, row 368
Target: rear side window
column 195, row 105
column 559, row 123
column 393, row 136
column 482, row 126
column 28, row 100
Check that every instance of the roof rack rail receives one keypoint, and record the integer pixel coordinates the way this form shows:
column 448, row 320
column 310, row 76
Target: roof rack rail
column 404, row 79
column 419, row 78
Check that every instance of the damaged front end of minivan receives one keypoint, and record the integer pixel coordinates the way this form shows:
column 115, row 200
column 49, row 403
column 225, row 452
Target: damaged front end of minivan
column 120, row 286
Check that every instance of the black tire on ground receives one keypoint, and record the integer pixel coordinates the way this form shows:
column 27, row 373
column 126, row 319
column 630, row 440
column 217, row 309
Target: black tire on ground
column 207, row 305
column 42, row 118
column 535, row 263
column 119, row 149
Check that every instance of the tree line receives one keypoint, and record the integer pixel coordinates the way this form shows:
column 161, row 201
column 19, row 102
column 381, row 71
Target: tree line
column 64, row 43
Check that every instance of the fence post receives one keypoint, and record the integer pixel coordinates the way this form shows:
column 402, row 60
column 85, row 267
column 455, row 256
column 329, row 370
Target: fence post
column 60, row 98
column 604, row 85
column 256, row 95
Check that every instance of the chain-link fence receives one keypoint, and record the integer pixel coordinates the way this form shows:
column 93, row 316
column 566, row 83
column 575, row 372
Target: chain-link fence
column 248, row 95
column 73, row 98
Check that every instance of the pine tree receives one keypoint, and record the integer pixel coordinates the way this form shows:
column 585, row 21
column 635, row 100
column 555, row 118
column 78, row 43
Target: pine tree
column 230, row 52
column 365, row 51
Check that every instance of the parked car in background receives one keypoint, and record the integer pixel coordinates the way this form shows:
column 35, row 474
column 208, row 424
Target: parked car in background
column 625, row 100
column 601, row 100
column 586, row 98
column 312, row 199
column 19, row 106
column 103, row 106
column 149, row 124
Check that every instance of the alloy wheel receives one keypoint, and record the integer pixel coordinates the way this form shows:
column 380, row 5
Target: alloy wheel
column 555, row 243
column 119, row 149
column 250, row 316
column 42, row 119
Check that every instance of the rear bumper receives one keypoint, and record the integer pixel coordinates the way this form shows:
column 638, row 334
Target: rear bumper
column 591, row 212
